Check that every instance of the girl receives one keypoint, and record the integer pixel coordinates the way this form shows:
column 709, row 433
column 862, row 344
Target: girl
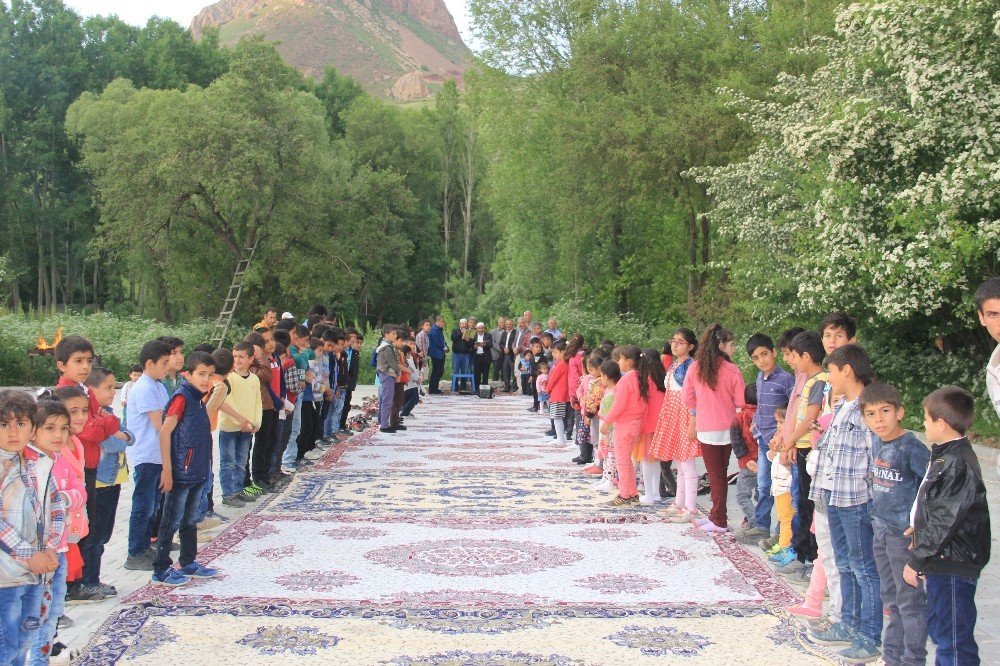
column 411, row 396
column 558, row 388
column 671, row 441
column 626, row 415
column 611, row 374
column 713, row 391
column 583, row 426
column 53, row 426
column 576, row 350
column 592, row 405
column 650, row 372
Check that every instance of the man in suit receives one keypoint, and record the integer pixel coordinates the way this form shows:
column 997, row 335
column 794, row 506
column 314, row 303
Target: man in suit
column 497, row 351
column 436, row 350
column 481, row 346
column 353, row 353
column 508, row 356
column 461, row 360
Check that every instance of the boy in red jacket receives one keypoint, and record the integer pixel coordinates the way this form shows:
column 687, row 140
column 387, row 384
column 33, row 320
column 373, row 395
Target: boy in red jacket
column 745, row 450
column 74, row 360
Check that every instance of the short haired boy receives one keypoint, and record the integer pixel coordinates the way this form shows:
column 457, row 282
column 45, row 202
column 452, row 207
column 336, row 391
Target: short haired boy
column 29, row 539
column 746, row 452
column 899, row 461
column 988, row 308
column 173, row 378
column 145, row 416
column 387, row 368
column 235, row 434
column 186, row 450
column 525, row 369
column 298, row 380
column 774, row 389
column 842, row 488
column 950, row 527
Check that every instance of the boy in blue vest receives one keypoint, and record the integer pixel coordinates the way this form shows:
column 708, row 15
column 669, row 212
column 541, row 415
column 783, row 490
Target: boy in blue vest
column 186, row 449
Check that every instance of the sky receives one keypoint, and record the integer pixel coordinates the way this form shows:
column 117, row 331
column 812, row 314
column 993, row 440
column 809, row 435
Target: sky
column 182, row 11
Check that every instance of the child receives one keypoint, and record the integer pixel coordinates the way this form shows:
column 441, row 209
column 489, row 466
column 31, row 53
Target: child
column 899, row 461
column 586, row 454
column 387, row 369
column 186, row 450
column 611, row 374
column 592, row 405
column 133, row 376
column 30, row 539
column 781, row 490
column 651, row 372
column 411, row 397
column 235, row 433
column 524, row 367
column 950, row 527
column 53, row 426
column 557, row 387
column 542, row 384
column 537, row 358
column 626, row 417
column 745, row 450
column 671, row 441
column 172, row 380
column 145, row 417
column 842, row 488
column 774, row 389
column 713, row 391
column 312, row 406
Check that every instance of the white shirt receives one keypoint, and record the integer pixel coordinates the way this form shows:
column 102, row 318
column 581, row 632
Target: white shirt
column 480, row 337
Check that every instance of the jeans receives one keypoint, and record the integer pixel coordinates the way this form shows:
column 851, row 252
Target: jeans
column 180, row 511
column 145, row 496
column 765, row 502
column 42, row 648
column 20, row 620
column 746, row 488
column 294, row 428
column 332, row 423
column 437, row 372
column 951, row 619
column 905, row 642
column 102, row 507
column 205, row 501
column 234, row 447
column 853, row 536
column 386, row 394
column 411, row 398
column 348, row 395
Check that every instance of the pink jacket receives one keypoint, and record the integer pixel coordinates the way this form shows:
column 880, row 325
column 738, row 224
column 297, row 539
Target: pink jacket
column 629, row 405
column 716, row 409
column 653, row 407
column 573, row 376
column 67, row 473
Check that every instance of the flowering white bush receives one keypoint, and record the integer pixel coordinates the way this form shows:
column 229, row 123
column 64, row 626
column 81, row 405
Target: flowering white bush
column 876, row 186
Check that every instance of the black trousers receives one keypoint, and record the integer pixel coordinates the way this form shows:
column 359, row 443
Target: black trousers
column 668, row 482
column 347, row 409
column 497, row 366
column 481, row 363
column 397, row 404
column 437, row 372
column 507, row 372
column 264, row 443
column 306, row 441
column 803, row 540
column 102, row 507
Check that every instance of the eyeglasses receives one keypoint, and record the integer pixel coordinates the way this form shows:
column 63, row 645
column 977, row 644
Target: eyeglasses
column 679, row 342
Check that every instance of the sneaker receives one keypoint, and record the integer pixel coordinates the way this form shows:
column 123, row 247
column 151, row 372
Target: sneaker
column 315, row 454
column 233, row 500
column 195, row 570
column 209, row 523
column 862, row 651
column 401, row 427
column 550, row 433
column 837, row 634
column 768, row 543
column 604, row 486
column 106, row 590
column 791, row 570
column 388, row 430
column 649, row 501
column 170, row 577
column 65, row 622
column 142, row 562
column 262, row 488
column 805, row 611
column 712, row 528
column 205, row 537
column 246, row 496
column 290, row 471
column 784, row 557
column 775, row 549
column 751, row 534
column 217, row 516
column 593, row 469
column 83, row 594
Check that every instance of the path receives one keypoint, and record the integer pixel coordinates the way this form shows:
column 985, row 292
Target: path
column 466, row 540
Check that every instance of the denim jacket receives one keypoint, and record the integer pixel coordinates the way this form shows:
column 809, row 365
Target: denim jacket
column 112, row 450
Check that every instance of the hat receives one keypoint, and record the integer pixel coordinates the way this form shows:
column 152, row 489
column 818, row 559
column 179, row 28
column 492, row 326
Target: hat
column 463, row 321
column 287, row 315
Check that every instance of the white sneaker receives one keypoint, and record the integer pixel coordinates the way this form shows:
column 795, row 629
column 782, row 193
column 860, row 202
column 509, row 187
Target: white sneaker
column 288, row 470
column 315, row 454
column 605, row 486
column 648, row 501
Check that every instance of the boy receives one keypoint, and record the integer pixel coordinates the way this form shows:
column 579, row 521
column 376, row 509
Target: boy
column 296, row 380
column 145, row 416
column 402, row 337
column 176, row 364
column 899, row 461
column 28, row 542
column 352, row 356
column 838, row 329
column 950, row 527
column 745, row 450
column 312, row 408
column 524, row 367
column 774, row 389
column 235, row 434
column 781, row 487
column 387, row 367
column 133, row 376
column 268, row 371
column 842, row 488
column 186, row 451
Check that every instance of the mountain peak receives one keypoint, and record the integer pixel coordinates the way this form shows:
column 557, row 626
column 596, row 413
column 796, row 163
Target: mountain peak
column 397, row 49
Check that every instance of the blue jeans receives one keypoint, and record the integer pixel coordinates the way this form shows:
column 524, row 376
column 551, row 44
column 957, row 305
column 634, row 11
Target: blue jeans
column 292, row 450
column 852, row 534
column 180, row 512
column 206, row 492
column 20, row 620
column 234, row 448
column 42, row 647
column 331, row 424
column 951, row 619
column 145, row 496
column 386, row 394
column 765, row 503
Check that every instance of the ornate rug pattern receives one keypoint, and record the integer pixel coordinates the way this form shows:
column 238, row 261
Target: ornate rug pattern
column 469, row 539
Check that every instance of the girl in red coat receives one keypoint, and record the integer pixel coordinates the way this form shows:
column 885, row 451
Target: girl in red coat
column 558, row 388
column 650, row 372
column 626, row 416
column 713, row 391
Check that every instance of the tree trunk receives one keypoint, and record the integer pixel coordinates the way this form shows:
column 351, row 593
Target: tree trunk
column 693, row 280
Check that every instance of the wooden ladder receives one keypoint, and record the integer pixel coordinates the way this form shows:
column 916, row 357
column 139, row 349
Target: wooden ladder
column 225, row 319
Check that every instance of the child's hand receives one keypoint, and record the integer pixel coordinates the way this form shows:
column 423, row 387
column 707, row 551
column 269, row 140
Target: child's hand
column 122, row 436
column 911, row 577
column 752, row 466
column 692, row 431
column 166, row 479
column 41, row 563
column 605, row 428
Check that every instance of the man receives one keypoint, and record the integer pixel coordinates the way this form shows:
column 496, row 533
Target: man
column 523, row 339
column 482, row 345
column 497, row 350
column 553, row 330
column 269, row 321
column 436, row 351
column 988, row 307
column 508, row 356
column 461, row 362
column 527, row 318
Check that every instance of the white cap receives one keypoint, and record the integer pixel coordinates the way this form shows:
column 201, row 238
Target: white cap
column 287, row 315
column 463, row 321
column 478, row 324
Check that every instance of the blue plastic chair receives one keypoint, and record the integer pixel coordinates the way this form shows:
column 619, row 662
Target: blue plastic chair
column 454, row 381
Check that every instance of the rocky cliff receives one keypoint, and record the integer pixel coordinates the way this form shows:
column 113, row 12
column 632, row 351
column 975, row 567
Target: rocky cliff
column 398, row 49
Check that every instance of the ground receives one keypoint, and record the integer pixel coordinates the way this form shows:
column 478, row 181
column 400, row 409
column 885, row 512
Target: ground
column 468, row 539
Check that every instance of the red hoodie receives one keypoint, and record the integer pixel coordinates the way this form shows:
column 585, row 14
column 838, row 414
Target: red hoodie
column 100, row 426
column 743, row 421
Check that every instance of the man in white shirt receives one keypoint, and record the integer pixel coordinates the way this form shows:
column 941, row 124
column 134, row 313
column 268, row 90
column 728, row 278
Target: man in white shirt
column 482, row 345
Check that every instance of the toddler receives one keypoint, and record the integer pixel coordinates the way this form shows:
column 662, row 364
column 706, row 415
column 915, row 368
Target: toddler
column 542, row 383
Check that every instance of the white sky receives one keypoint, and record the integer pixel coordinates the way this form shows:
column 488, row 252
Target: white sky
column 182, row 11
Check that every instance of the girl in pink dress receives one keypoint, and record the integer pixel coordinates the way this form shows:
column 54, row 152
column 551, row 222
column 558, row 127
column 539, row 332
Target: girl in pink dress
column 651, row 371
column 626, row 414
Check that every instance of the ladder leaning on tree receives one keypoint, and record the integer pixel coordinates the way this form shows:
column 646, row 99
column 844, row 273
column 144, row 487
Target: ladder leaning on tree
column 233, row 297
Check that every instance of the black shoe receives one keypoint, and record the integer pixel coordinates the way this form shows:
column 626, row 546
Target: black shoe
column 578, row 460
column 401, row 427
column 83, row 594
column 390, row 430
column 532, row 409
column 550, row 433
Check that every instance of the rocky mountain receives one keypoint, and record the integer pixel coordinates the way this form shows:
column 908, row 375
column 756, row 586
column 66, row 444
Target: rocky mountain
column 398, row 49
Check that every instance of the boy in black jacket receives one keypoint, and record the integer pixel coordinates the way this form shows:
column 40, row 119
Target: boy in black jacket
column 950, row 527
